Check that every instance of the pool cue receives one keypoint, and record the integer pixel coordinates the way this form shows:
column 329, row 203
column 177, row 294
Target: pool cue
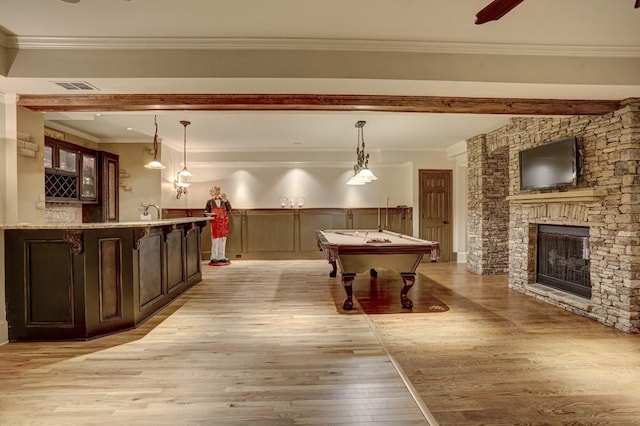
column 386, row 214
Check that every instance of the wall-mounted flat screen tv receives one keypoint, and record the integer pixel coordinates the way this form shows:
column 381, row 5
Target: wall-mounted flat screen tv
column 551, row 165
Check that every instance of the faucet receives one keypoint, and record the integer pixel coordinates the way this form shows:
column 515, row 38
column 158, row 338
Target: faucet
column 146, row 210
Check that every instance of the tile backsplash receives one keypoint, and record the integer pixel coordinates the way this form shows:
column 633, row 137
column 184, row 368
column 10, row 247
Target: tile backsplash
column 62, row 213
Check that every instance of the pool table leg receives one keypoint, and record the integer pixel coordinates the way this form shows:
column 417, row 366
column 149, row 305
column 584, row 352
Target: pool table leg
column 347, row 281
column 408, row 279
column 333, row 273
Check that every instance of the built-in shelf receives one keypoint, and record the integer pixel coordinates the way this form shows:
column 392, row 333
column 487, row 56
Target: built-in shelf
column 582, row 195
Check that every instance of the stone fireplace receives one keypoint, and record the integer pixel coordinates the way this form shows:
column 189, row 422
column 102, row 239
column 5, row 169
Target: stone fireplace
column 505, row 223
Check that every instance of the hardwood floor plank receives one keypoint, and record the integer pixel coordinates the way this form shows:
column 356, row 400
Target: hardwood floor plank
column 262, row 349
column 500, row 357
column 267, row 343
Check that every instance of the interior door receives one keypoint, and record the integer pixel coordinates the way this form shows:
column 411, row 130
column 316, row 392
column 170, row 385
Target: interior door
column 435, row 210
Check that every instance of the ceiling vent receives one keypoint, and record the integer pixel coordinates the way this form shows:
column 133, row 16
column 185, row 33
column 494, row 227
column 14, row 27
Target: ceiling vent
column 76, row 85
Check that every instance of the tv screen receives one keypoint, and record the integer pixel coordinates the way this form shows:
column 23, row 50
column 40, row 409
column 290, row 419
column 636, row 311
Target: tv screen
column 551, row 165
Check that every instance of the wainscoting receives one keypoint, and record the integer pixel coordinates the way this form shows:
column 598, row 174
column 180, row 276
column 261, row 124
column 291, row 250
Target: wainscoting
column 290, row 233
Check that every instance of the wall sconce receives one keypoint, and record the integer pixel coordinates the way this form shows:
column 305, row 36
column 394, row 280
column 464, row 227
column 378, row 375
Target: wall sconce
column 361, row 172
column 181, row 183
column 155, row 163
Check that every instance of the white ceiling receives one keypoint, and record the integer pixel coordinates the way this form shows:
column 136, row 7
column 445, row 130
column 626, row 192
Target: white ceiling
column 569, row 27
column 545, row 22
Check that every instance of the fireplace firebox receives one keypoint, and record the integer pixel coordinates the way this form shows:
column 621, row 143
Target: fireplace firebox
column 563, row 259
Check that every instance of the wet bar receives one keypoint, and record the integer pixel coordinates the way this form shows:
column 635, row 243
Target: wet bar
column 69, row 282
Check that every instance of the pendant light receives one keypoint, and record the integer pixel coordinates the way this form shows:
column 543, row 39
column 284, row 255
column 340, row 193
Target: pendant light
column 181, row 182
column 361, row 172
column 185, row 172
column 155, row 163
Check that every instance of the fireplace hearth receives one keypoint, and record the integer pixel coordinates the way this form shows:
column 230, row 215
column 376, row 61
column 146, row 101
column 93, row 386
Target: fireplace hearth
column 563, row 259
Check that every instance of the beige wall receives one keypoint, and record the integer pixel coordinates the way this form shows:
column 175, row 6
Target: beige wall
column 259, row 179
column 5, row 170
column 138, row 185
column 297, row 63
column 31, row 169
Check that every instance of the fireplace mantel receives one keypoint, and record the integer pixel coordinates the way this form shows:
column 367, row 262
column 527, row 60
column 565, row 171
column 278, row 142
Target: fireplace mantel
column 582, row 195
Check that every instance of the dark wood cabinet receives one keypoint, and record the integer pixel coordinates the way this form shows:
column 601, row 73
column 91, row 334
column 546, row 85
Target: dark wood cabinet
column 107, row 206
column 82, row 282
column 61, row 163
column 70, row 172
column 75, row 174
column 88, row 178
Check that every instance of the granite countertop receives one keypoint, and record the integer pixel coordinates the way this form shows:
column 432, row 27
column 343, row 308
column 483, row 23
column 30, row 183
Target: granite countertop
column 102, row 225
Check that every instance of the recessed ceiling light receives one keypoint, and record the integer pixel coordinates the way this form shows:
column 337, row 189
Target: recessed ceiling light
column 129, row 128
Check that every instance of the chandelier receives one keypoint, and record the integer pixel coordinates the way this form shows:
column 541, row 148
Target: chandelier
column 361, row 172
column 155, row 163
column 181, row 182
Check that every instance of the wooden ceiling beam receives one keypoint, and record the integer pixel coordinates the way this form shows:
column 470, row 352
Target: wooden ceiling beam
column 304, row 102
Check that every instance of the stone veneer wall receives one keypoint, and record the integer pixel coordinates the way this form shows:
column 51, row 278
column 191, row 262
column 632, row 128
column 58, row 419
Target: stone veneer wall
column 611, row 150
column 488, row 209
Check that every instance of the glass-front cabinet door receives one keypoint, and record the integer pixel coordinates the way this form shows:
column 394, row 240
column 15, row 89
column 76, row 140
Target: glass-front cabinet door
column 67, row 160
column 48, row 157
column 88, row 177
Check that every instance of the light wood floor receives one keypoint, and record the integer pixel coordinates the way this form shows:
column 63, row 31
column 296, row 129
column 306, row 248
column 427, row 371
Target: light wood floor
column 267, row 343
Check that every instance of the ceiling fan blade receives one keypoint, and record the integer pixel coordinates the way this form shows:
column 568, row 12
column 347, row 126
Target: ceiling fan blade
column 637, row 4
column 496, row 10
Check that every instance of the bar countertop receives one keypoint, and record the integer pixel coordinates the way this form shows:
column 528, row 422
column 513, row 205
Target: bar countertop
column 105, row 225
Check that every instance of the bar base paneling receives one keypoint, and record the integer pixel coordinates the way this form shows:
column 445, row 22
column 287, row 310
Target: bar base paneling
column 80, row 283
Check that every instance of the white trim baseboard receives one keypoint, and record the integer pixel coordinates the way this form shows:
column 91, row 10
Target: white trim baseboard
column 460, row 256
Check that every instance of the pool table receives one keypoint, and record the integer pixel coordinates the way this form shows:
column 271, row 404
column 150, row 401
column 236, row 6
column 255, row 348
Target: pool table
column 359, row 250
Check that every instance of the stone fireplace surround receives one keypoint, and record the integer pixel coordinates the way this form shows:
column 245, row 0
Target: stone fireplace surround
column 503, row 221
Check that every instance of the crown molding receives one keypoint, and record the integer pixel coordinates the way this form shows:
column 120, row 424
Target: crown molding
column 65, row 129
column 351, row 45
column 347, row 165
column 4, row 40
column 456, row 150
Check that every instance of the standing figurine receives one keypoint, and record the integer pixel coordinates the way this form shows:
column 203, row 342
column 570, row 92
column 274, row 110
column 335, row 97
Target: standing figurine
column 219, row 207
